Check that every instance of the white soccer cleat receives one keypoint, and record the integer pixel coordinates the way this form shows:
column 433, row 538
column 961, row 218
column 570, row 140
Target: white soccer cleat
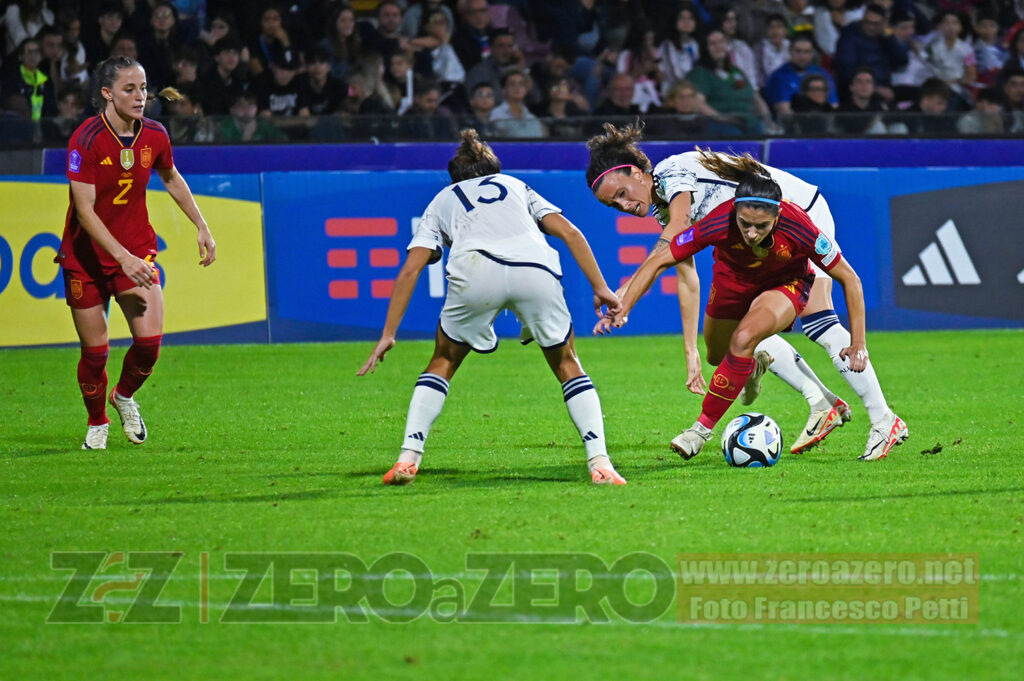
column 689, row 442
column 96, row 437
column 845, row 413
column 131, row 420
column 752, row 388
column 882, row 439
column 819, row 425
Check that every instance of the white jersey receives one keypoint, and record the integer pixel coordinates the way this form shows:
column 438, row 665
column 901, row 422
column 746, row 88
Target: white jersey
column 497, row 216
column 684, row 173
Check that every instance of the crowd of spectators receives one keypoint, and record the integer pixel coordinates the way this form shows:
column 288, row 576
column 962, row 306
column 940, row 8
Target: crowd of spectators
column 420, row 69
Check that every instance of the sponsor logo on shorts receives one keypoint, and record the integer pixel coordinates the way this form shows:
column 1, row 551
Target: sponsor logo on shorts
column 76, row 289
column 74, row 161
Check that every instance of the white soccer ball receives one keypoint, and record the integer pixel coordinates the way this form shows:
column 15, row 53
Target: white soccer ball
column 752, row 441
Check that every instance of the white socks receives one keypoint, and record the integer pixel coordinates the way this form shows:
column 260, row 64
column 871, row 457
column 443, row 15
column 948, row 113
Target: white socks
column 824, row 329
column 427, row 402
column 788, row 365
column 585, row 411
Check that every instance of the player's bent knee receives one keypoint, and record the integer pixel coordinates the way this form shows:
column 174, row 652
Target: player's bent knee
column 744, row 341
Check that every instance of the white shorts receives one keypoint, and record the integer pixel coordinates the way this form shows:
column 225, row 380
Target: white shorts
column 479, row 288
column 822, row 218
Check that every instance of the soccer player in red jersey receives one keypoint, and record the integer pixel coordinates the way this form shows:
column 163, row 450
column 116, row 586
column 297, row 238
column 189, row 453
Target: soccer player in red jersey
column 109, row 247
column 761, row 281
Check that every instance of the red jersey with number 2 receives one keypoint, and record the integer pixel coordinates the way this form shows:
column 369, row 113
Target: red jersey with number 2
column 119, row 168
column 783, row 255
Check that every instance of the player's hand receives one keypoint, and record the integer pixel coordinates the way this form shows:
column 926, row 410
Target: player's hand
column 857, row 356
column 383, row 345
column 207, row 247
column 604, row 297
column 695, row 382
column 603, row 327
column 138, row 270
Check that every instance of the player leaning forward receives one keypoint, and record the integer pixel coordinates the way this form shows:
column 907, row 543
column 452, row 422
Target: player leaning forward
column 762, row 280
column 683, row 189
column 495, row 225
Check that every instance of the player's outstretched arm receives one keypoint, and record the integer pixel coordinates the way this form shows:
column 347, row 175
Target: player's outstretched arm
column 557, row 225
column 135, row 268
column 405, row 283
column 176, row 186
column 688, row 288
column 651, row 269
column 857, row 352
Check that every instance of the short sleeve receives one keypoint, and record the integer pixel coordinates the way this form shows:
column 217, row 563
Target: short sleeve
column 538, row 205
column 165, row 158
column 81, row 163
column 672, row 178
column 428, row 233
column 826, row 252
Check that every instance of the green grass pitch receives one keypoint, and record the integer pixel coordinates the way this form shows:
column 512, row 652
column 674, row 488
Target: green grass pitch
column 280, row 449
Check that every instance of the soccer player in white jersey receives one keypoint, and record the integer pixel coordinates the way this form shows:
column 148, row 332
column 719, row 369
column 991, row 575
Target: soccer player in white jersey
column 684, row 188
column 499, row 259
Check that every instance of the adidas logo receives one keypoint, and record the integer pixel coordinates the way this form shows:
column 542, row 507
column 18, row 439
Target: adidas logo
column 589, row 436
column 106, row 162
column 935, row 265
column 417, row 436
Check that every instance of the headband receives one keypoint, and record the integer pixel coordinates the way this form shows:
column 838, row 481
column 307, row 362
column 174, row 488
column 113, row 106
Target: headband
column 758, row 199
column 598, row 178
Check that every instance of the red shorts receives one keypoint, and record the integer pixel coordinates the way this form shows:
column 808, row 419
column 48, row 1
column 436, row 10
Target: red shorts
column 83, row 290
column 731, row 299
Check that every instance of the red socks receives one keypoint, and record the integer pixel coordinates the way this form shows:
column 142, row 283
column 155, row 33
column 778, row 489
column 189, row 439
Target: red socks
column 726, row 383
column 138, row 364
column 92, row 380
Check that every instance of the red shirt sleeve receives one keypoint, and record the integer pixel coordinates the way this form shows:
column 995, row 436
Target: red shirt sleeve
column 712, row 228
column 81, row 161
column 164, row 158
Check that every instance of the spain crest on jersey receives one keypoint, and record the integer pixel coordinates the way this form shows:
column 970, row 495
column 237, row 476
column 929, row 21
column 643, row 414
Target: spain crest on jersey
column 127, row 158
column 146, row 157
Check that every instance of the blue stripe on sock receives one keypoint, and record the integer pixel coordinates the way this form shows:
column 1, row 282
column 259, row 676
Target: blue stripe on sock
column 572, row 382
column 581, row 389
column 818, row 323
column 433, row 381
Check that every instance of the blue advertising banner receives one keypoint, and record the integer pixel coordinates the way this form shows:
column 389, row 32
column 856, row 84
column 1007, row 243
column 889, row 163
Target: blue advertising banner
column 335, row 242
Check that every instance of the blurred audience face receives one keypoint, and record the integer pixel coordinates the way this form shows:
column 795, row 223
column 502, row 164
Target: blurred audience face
column 244, row 108
column 863, row 85
column 516, row 87
column 219, row 28
column 227, row 60
column 185, row 70
column 950, row 27
column 718, row 48
column 816, row 90
column 30, row 55
column 801, row 54
column 389, row 18
column 503, row 49
column 684, row 99
column 53, row 47
column 437, row 26
column 477, row 14
column 873, row 24
column 933, row 104
column 318, row 70
column 110, row 23
column 482, row 101
column 399, row 66
column 903, row 30
column 185, row 107
column 1014, row 91
column 426, row 103
column 346, row 23
column 686, row 23
column 270, row 22
column 620, row 90
column 560, row 91
column 162, row 19
column 987, row 29
column 282, row 74
column 775, row 31
column 730, row 23
column 72, row 31
column 70, row 105
column 125, row 46
column 989, row 108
